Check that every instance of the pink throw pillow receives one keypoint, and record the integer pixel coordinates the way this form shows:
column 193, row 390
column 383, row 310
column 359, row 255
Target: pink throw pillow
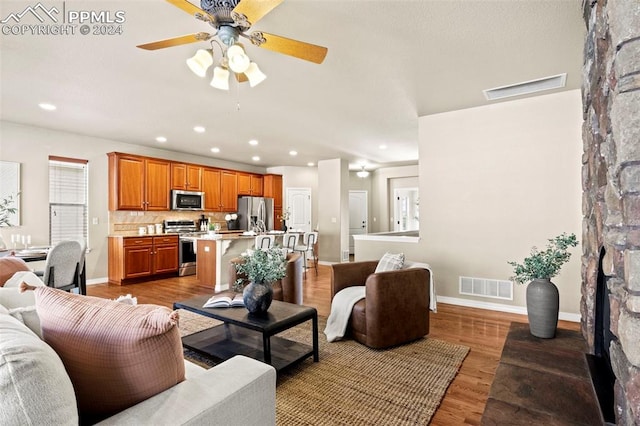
column 9, row 265
column 115, row 354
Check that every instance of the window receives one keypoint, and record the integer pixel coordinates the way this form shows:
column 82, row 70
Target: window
column 68, row 206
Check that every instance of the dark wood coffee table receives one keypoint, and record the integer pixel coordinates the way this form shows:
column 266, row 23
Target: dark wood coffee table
column 254, row 336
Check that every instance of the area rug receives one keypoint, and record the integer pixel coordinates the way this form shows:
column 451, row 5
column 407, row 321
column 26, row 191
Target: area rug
column 355, row 385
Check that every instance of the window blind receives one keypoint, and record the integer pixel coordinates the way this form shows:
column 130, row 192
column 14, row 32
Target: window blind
column 68, row 206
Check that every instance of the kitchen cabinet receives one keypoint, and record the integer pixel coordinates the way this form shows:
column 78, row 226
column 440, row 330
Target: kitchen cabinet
column 250, row 184
column 273, row 189
column 134, row 259
column 186, row 177
column 138, row 183
column 220, row 190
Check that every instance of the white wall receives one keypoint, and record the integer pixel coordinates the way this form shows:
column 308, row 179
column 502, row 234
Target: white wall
column 31, row 146
column 300, row 177
column 495, row 181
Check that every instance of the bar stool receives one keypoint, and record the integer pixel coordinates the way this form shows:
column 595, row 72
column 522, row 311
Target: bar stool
column 309, row 241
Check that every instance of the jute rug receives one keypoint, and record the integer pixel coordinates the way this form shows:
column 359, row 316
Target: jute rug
column 355, row 385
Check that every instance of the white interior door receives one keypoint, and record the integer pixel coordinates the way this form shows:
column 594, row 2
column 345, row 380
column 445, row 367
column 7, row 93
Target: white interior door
column 299, row 205
column 357, row 216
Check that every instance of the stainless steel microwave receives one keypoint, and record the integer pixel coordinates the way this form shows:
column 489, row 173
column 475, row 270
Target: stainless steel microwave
column 187, row 200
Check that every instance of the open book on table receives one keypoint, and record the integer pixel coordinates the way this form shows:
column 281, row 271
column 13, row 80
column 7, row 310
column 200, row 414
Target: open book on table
column 226, row 299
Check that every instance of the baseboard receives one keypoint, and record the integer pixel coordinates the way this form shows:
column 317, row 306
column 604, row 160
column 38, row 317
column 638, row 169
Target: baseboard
column 521, row 310
column 97, row 281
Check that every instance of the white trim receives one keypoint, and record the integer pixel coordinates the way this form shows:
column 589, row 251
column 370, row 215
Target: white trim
column 521, row 310
column 387, row 238
column 102, row 280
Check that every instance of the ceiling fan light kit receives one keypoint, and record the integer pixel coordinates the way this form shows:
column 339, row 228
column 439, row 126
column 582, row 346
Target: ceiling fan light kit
column 254, row 74
column 220, row 78
column 231, row 19
column 200, row 62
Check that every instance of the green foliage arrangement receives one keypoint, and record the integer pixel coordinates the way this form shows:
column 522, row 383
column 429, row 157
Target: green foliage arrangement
column 261, row 266
column 544, row 264
column 7, row 208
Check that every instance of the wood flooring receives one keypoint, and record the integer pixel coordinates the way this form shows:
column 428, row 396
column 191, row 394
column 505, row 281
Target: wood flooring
column 481, row 330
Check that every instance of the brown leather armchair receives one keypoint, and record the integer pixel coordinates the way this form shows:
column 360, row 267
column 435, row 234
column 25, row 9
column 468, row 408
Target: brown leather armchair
column 288, row 289
column 395, row 309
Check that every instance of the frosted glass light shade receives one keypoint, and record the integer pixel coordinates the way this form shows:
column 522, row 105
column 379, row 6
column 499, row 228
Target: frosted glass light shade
column 220, row 78
column 238, row 60
column 362, row 173
column 200, row 62
column 254, row 74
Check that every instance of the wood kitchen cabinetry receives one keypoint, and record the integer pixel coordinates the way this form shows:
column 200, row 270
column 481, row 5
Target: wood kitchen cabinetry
column 220, row 190
column 138, row 183
column 186, row 177
column 137, row 258
column 250, row 184
column 273, row 189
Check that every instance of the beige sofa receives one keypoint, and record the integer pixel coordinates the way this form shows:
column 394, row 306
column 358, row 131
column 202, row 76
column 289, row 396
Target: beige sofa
column 33, row 382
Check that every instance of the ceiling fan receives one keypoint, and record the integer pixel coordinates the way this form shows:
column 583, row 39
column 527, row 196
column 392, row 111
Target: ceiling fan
column 231, row 19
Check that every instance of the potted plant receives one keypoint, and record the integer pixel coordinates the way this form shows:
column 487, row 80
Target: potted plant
column 261, row 268
column 213, row 228
column 543, row 299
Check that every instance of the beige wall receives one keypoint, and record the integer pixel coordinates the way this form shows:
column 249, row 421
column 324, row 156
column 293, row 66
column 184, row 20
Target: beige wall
column 31, row 146
column 495, row 181
column 300, row 177
column 333, row 220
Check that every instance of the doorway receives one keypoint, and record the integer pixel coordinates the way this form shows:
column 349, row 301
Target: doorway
column 405, row 209
column 358, row 223
column 299, row 205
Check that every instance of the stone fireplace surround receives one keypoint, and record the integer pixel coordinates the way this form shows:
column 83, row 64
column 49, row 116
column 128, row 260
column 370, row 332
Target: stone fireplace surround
column 611, row 190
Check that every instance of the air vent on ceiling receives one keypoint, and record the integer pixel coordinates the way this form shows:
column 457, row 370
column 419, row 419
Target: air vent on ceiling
column 497, row 289
column 527, row 87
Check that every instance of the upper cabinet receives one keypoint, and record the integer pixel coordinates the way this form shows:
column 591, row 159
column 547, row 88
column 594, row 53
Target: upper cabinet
column 138, row 183
column 186, row 177
column 250, row 184
column 273, row 189
column 220, row 190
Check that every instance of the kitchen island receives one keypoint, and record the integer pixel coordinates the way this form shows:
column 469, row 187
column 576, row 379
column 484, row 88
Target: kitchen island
column 214, row 254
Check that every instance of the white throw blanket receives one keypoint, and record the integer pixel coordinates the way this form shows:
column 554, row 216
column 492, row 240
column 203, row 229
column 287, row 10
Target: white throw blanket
column 343, row 302
column 341, row 307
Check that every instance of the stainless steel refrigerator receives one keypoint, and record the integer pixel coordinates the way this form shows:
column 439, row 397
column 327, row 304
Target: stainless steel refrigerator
column 255, row 212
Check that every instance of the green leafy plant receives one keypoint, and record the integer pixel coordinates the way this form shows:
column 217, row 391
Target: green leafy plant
column 544, row 264
column 261, row 266
column 7, row 208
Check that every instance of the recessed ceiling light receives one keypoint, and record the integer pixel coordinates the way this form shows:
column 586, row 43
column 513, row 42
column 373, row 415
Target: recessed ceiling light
column 161, row 139
column 255, row 158
column 215, row 150
column 199, row 129
column 253, row 142
column 310, row 164
column 382, row 147
column 47, row 107
column 293, row 153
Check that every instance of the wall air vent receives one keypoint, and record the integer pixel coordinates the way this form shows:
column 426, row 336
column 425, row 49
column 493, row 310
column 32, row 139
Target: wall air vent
column 527, row 87
column 497, row 289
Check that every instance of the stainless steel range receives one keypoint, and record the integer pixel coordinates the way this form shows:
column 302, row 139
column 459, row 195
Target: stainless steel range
column 188, row 232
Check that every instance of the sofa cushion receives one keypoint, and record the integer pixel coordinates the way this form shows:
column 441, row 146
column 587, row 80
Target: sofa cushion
column 116, row 354
column 22, row 305
column 390, row 262
column 9, row 265
column 34, row 385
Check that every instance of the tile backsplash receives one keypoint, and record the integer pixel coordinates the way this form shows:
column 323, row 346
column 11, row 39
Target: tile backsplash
column 126, row 222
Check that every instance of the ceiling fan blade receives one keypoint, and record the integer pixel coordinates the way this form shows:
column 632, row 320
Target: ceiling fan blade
column 176, row 41
column 254, row 10
column 193, row 10
column 299, row 49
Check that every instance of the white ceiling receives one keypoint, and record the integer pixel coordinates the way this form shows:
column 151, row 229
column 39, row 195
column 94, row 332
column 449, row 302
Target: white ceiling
column 389, row 62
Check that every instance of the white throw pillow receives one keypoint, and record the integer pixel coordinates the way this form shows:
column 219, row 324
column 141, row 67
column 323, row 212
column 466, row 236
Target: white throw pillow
column 390, row 262
column 34, row 385
column 22, row 306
